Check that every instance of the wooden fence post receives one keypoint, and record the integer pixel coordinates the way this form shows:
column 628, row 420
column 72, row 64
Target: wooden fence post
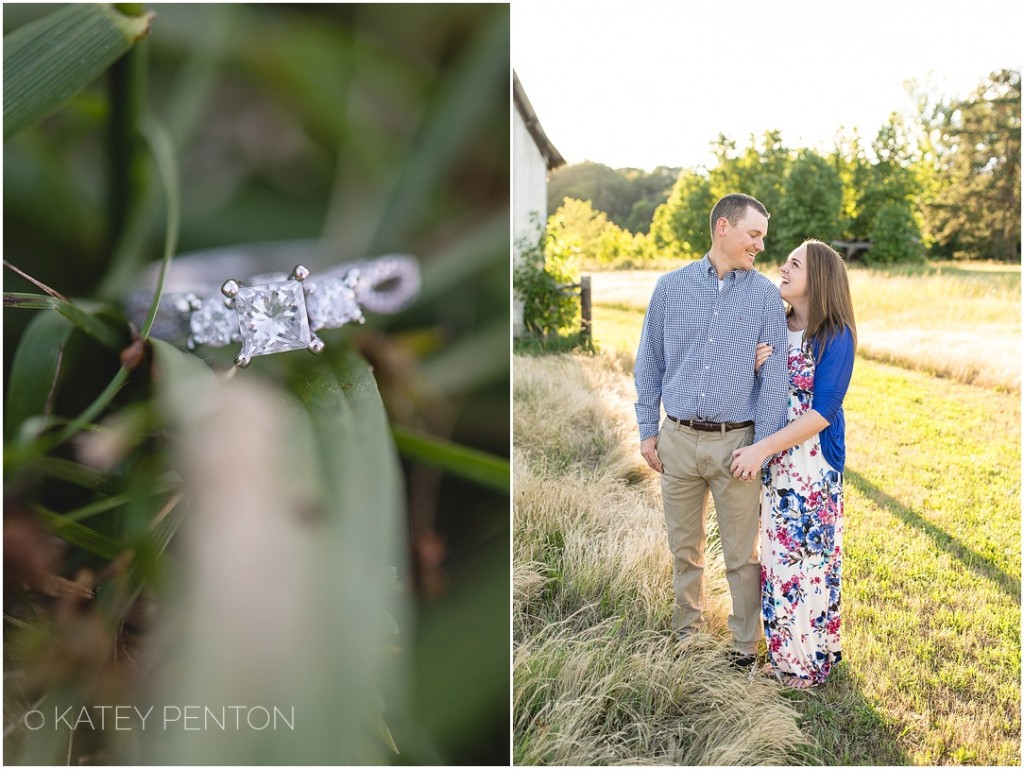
column 585, row 328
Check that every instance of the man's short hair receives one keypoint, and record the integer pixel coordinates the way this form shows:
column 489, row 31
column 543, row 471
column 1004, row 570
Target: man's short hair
column 733, row 206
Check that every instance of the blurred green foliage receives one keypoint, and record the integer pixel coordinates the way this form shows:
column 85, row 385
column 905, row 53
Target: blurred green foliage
column 372, row 128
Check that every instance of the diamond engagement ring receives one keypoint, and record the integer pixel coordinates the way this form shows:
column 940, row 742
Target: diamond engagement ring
column 206, row 302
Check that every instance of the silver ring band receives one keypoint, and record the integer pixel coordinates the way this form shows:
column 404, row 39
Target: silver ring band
column 209, row 301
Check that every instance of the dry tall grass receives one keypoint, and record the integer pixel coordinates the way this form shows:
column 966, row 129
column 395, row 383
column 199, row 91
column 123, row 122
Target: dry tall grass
column 596, row 678
column 957, row 323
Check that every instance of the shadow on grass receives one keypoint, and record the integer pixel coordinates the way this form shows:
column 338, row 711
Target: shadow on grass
column 978, row 564
column 847, row 729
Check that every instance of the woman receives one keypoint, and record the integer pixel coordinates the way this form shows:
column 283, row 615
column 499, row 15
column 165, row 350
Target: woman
column 802, row 497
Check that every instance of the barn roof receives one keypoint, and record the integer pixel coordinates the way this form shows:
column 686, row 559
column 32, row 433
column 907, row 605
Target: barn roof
column 552, row 156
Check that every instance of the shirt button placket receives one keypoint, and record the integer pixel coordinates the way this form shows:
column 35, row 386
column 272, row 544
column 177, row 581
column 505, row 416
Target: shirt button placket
column 708, row 355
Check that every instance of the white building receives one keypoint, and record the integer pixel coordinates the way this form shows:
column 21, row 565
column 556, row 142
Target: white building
column 533, row 156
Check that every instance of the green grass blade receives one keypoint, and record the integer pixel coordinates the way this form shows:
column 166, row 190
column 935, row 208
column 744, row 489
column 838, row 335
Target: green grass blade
column 463, row 461
column 94, row 480
column 97, row 507
column 48, row 61
column 125, row 264
column 362, row 482
column 163, row 152
column 82, row 319
column 79, row 475
column 35, row 368
column 78, row 534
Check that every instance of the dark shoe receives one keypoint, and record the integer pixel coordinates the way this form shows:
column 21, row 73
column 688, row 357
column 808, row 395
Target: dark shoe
column 741, row 661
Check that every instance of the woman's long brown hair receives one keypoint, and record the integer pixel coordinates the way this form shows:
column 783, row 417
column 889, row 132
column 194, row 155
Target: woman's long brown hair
column 830, row 308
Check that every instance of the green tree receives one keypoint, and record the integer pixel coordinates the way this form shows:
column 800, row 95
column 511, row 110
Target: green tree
column 895, row 236
column 976, row 212
column 577, row 225
column 650, row 191
column 933, row 156
column 680, row 227
column 759, row 171
column 642, row 215
column 811, row 204
column 890, row 179
column 850, row 163
column 629, row 196
column 546, row 268
column 607, row 190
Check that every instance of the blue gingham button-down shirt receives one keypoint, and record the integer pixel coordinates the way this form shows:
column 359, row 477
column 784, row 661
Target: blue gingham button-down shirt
column 696, row 354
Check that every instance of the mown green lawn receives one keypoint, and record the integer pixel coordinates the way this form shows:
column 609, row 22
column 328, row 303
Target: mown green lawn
column 932, row 579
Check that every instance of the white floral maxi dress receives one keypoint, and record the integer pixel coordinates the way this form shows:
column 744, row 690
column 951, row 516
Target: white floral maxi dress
column 801, row 546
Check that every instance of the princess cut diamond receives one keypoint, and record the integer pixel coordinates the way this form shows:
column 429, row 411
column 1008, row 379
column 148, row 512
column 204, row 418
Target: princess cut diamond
column 272, row 318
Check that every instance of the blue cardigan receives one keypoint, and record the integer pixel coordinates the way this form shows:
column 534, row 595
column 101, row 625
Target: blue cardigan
column 833, row 367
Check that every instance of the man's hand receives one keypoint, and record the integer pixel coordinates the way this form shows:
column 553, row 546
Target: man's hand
column 649, row 451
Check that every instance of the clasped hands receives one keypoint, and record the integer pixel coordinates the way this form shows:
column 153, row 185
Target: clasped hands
column 746, row 462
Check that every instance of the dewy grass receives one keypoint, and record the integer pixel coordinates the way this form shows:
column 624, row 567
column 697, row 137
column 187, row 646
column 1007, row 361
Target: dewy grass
column 931, row 639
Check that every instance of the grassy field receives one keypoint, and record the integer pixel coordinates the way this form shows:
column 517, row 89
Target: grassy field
column 958, row 320
column 931, row 635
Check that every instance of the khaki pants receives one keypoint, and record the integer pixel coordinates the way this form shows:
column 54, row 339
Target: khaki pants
column 696, row 463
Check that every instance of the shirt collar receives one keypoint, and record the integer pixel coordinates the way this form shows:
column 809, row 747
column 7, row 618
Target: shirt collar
column 706, row 266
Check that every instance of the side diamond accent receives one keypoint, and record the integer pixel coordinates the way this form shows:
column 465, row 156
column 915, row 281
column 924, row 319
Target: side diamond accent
column 331, row 302
column 214, row 323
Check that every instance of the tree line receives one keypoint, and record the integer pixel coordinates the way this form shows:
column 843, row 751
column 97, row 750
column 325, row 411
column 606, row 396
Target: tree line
column 943, row 183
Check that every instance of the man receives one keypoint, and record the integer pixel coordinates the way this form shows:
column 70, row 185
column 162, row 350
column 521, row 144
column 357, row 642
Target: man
column 696, row 357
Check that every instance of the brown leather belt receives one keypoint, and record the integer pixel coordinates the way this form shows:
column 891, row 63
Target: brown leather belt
column 711, row 427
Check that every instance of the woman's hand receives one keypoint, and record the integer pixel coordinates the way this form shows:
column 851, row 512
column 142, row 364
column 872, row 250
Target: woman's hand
column 746, row 462
column 763, row 352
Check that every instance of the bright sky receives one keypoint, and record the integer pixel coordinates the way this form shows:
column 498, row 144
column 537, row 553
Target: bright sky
column 642, row 83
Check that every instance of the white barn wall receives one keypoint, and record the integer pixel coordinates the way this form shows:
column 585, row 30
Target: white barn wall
column 529, row 199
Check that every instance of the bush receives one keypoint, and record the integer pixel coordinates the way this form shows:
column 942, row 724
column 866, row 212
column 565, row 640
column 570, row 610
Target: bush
column 895, row 236
column 543, row 278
